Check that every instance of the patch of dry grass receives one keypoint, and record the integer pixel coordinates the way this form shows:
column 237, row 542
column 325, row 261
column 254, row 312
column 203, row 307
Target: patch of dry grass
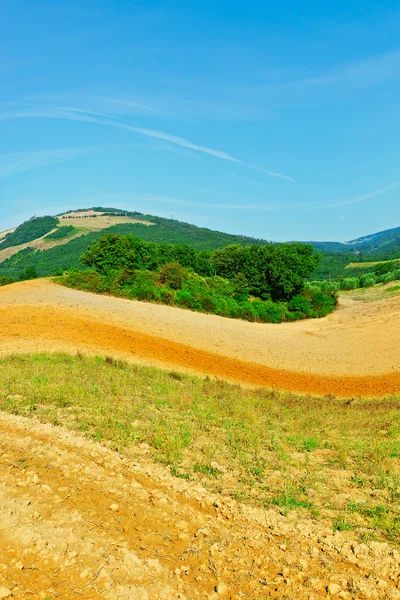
column 339, row 459
column 372, row 294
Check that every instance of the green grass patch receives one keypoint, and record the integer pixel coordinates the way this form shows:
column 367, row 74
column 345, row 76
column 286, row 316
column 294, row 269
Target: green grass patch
column 295, row 453
column 62, row 233
column 393, row 289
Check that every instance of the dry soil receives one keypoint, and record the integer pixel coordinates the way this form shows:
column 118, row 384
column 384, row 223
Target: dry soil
column 353, row 352
column 78, row 520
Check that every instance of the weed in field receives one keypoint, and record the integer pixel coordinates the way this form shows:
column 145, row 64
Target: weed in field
column 207, row 470
column 310, row 444
column 341, row 524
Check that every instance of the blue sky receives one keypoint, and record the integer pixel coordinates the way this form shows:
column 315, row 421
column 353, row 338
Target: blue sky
column 278, row 121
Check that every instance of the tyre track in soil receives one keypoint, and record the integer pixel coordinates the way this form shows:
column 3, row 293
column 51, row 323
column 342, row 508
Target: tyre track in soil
column 78, row 520
column 354, row 352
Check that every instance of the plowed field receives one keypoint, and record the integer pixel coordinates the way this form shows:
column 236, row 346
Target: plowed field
column 80, row 521
column 354, row 351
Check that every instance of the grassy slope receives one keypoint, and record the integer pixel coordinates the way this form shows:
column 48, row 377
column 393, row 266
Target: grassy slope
column 333, row 458
column 62, row 233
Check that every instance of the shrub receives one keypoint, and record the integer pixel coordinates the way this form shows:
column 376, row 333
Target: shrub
column 4, row 280
column 197, row 286
column 220, row 286
column 246, row 311
column 124, row 277
column 173, row 275
column 185, row 298
column 226, row 307
column 396, row 275
column 84, row 280
column 385, row 267
column 167, row 296
column 321, row 301
column 208, row 304
column 349, row 283
column 28, row 273
column 367, row 280
column 144, row 292
column 300, row 304
column 323, row 286
column 269, row 312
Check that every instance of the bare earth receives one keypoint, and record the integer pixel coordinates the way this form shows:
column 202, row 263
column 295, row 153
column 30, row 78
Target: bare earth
column 4, row 233
column 95, row 220
column 354, row 351
column 80, row 521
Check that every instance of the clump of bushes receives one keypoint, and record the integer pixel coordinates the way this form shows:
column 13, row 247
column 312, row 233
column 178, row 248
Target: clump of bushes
column 276, row 271
column 367, row 280
column 173, row 275
column 381, row 273
column 4, row 280
column 265, row 284
column 388, row 277
column 349, row 283
column 28, row 273
column 176, row 286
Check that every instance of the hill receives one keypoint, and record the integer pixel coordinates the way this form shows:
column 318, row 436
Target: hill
column 72, row 233
column 376, row 247
column 384, row 242
column 54, row 244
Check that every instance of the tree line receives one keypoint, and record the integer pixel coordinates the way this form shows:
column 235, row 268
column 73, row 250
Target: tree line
column 273, row 271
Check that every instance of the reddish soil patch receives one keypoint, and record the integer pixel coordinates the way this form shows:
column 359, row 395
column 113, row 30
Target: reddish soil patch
column 60, row 328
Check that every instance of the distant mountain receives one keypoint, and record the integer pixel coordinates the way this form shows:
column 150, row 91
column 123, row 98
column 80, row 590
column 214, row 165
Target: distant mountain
column 329, row 246
column 384, row 245
column 382, row 242
column 387, row 242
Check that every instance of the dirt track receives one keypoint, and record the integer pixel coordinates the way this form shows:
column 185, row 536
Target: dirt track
column 79, row 521
column 355, row 351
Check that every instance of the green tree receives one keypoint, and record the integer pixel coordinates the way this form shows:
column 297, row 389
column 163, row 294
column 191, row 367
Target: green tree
column 240, row 288
column 228, row 261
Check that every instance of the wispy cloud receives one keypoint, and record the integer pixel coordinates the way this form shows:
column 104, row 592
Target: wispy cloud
column 93, row 112
column 260, row 206
column 338, row 203
column 362, row 72
column 78, row 114
column 92, row 101
column 132, row 104
column 17, row 162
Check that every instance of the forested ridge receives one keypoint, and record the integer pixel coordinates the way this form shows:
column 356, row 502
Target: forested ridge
column 31, row 230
